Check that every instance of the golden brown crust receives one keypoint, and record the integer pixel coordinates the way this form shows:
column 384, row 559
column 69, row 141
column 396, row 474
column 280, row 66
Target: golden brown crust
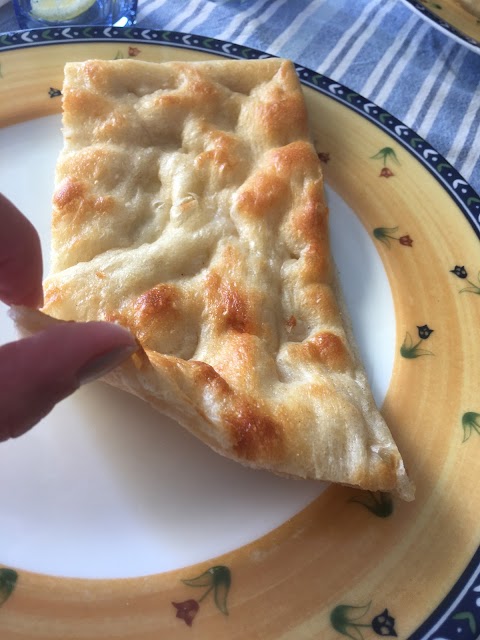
column 189, row 207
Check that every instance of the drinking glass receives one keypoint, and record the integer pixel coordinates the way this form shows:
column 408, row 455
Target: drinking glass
column 46, row 13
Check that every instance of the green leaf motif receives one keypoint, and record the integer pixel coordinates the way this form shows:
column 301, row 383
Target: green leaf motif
column 387, row 153
column 466, row 615
column 352, row 632
column 470, row 423
column 384, row 234
column 8, row 580
column 378, row 503
column 217, row 578
column 472, row 288
column 410, row 351
column 222, row 587
column 442, row 165
column 344, row 620
column 203, row 580
column 472, row 199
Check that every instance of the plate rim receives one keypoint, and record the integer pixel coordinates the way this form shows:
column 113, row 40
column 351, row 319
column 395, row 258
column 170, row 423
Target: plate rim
column 460, row 191
column 444, row 26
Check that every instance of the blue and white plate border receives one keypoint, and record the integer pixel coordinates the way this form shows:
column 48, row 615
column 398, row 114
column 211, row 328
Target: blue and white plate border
column 464, row 595
column 442, row 25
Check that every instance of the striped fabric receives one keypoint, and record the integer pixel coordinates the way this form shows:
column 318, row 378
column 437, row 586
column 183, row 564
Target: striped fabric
column 379, row 48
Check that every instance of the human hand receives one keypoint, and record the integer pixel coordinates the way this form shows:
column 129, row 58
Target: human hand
column 39, row 371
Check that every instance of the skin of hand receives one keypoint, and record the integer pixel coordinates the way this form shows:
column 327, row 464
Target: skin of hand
column 39, row 371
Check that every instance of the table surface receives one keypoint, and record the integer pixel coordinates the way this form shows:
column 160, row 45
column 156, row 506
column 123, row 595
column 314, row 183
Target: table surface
column 381, row 49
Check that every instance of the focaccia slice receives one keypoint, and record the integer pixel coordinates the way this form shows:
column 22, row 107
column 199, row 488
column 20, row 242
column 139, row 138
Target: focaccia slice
column 189, row 207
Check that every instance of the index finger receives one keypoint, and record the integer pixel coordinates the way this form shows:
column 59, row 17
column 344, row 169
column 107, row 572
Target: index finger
column 21, row 264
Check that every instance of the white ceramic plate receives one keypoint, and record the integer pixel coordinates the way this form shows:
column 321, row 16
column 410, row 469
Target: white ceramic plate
column 109, row 513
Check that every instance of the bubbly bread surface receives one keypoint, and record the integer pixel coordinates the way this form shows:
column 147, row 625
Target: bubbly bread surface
column 189, row 207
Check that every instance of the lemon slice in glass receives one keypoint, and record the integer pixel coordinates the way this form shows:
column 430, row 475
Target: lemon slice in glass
column 59, row 10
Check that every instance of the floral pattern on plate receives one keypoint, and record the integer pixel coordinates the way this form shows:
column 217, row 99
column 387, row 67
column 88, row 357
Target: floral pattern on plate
column 385, row 234
column 217, row 579
column 410, row 350
column 462, row 273
column 389, row 157
column 351, row 621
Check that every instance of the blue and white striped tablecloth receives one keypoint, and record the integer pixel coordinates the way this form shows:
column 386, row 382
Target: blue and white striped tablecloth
column 379, row 48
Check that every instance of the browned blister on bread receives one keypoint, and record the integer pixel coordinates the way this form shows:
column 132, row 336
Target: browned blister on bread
column 189, row 207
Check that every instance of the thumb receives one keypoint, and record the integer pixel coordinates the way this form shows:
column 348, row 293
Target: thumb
column 39, row 371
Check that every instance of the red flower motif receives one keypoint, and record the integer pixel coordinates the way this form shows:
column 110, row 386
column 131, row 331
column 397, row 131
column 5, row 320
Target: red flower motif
column 324, row 157
column 406, row 241
column 386, row 173
column 187, row 610
column 133, row 51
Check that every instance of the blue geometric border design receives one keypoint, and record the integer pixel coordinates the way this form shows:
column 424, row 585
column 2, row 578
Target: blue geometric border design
column 449, row 178
column 462, row 598
column 458, row 616
column 444, row 25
